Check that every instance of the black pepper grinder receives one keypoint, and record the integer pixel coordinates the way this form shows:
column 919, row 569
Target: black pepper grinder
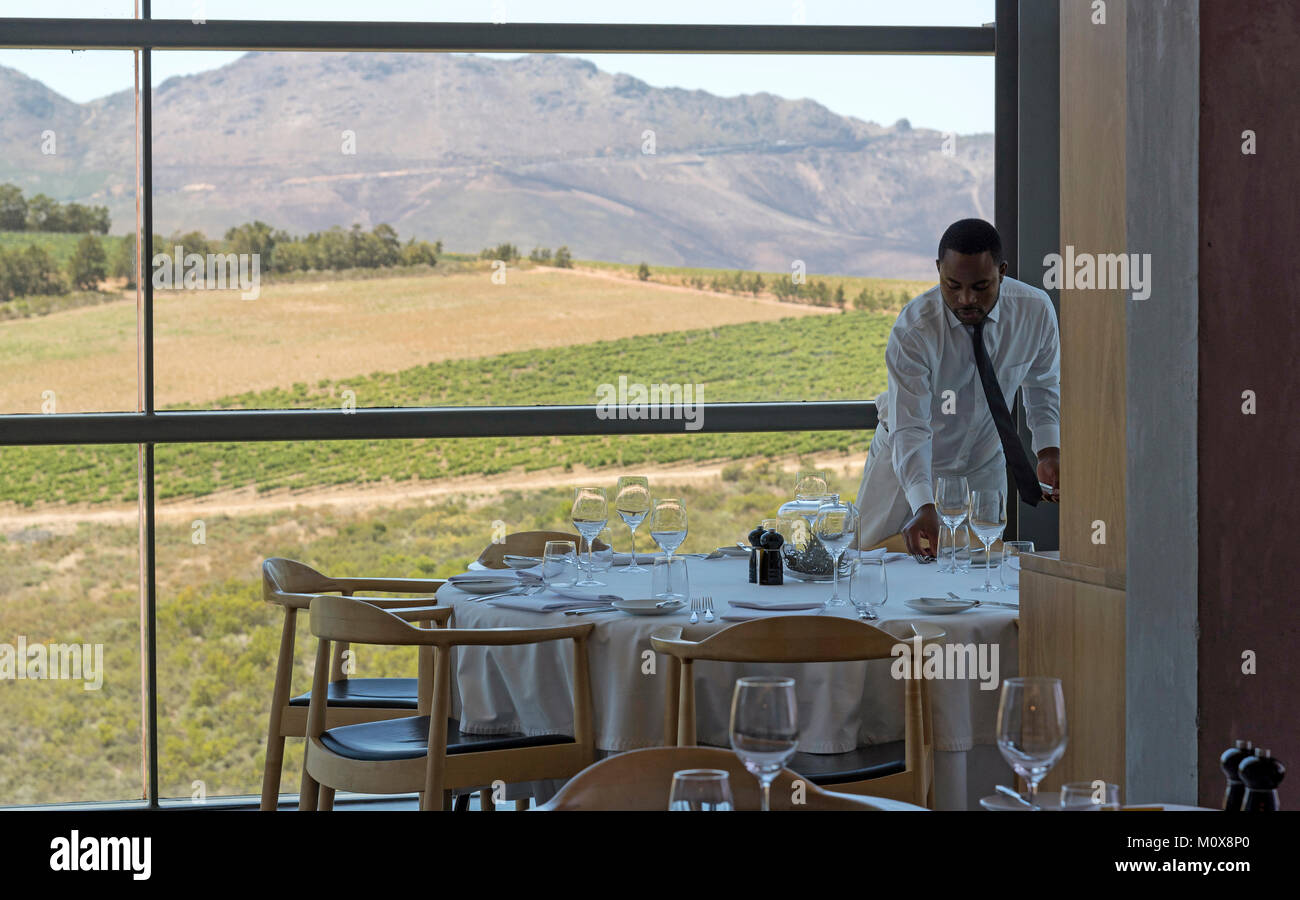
column 1261, row 774
column 754, row 537
column 770, row 571
column 1229, row 762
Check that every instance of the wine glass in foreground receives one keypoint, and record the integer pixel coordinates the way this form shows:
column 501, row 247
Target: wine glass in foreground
column 952, row 500
column 764, row 727
column 632, row 500
column 988, row 519
column 1031, row 728
column 590, row 515
column 668, row 524
column 701, row 790
column 836, row 526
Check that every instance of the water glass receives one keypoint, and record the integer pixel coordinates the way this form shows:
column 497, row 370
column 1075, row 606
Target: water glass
column 669, row 579
column 559, row 564
column 1089, row 795
column 1009, row 570
column 1031, row 728
column 764, row 727
column 868, row 587
column 701, row 790
column 632, row 502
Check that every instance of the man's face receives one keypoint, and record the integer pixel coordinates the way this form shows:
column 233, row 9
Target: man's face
column 969, row 283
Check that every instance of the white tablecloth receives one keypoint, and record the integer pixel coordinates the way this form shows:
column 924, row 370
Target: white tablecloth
column 842, row 705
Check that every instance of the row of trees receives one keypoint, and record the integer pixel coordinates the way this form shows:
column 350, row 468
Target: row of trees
column 32, row 271
column 42, row 213
column 561, row 258
column 813, row 292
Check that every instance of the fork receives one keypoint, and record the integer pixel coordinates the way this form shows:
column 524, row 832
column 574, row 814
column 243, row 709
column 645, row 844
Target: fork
column 695, row 611
column 523, row 591
column 708, row 609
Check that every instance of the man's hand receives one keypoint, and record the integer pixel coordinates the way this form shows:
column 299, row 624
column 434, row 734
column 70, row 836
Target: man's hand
column 1049, row 472
column 924, row 525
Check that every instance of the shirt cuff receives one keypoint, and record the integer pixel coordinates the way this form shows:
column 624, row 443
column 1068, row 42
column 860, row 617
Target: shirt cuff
column 1046, row 436
column 918, row 495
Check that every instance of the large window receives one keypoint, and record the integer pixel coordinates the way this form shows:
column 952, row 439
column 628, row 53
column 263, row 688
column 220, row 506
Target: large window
column 393, row 299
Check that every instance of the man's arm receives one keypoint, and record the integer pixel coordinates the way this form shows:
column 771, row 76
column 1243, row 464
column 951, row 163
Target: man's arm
column 1041, row 390
column 913, row 436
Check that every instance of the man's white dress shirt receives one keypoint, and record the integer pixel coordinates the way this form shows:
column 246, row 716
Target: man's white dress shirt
column 935, row 417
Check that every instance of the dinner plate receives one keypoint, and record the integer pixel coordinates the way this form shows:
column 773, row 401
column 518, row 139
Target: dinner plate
column 939, row 606
column 1048, row 800
column 487, row 586
column 645, row 606
column 521, row 562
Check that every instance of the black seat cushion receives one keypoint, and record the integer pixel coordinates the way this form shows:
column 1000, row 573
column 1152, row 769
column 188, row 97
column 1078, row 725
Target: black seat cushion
column 408, row 738
column 860, row 764
column 371, row 693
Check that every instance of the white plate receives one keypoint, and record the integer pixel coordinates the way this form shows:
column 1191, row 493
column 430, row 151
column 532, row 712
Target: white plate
column 939, row 606
column 493, row 586
column 646, row 607
column 1048, row 800
column 521, row 562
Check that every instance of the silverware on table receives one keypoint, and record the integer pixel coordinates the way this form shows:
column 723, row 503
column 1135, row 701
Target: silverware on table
column 524, row 590
column 707, row 603
column 695, row 610
column 923, row 559
column 985, row 602
column 1015, row 795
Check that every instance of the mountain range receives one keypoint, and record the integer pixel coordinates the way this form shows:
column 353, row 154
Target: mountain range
column 539, row 150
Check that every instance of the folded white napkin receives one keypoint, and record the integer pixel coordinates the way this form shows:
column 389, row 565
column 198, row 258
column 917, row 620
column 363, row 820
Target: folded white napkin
column 524, row 576
column 744, row 615
column 878, row 553
column 642, row 559
column 779, row 603
column 554, row 600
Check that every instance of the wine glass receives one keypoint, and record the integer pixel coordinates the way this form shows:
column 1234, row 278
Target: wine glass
column 812, row 482
column 1031, row 728
column 590, row 514
column 701, row 790
column 952, row 500
column 836, row 526
column 872, row 591
column 988, row 518
column 632, row 500
column 559, row 562
column 764, row 727
column 668, row 524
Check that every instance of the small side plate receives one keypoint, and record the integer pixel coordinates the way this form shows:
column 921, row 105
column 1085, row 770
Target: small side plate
column 939, row 606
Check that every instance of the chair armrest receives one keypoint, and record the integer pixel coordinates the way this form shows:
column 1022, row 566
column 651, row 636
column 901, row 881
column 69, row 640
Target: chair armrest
column 436, row 614
column 390, row 585
column 669, row 640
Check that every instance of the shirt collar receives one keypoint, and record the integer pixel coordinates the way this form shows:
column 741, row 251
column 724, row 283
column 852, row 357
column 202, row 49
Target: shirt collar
column 991, row 317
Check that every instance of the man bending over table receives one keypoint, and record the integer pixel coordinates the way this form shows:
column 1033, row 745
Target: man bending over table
column 956, row 357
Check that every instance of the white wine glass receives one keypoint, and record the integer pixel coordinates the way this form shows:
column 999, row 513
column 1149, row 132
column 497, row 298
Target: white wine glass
column 836, row 527
column 668, row 524
column 1031, row 728
column 952, row 500
column 764, row 727
column 590, row 515
column 632, row 501
column 988, row 519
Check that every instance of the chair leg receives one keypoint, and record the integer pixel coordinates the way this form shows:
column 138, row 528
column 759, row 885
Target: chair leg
column 521, row 805
column 326, row 802
column 446, row 801
column 279, row 699
column 462, row 803
column 271, row 774
column 485, row 801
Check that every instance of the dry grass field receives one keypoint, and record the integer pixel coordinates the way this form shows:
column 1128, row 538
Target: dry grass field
column 212, row 344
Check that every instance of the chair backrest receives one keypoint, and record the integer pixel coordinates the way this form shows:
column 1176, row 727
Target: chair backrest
column 525, row 543
column 641, row 780
column 287, row 576
column 803, row 639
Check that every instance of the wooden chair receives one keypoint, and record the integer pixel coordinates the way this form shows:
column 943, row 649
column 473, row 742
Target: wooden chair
column 641, row 780
column 292, row 586
column 427, row 754
column 525, row 543
column 802, row 639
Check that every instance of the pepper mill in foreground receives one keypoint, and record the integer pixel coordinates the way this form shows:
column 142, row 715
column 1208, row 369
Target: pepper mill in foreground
column 1229, row 762
column 1261, row 774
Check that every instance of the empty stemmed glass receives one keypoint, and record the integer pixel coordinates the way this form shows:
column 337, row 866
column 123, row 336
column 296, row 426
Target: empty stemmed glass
column 590, row 515
column 668, row 524
column 632, row 501
column 764, row 727
column 988, row 519
column 952, row 500
column 836, row 526
column 1031, row 728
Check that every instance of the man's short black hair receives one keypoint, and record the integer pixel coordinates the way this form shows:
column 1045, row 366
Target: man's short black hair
column 971, row 236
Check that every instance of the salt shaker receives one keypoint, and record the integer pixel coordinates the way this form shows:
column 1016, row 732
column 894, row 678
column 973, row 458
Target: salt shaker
column 1229, row 762
column 1261, row 774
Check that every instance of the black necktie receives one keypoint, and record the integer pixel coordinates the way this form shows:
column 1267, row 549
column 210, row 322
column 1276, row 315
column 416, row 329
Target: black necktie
column 1025, row 475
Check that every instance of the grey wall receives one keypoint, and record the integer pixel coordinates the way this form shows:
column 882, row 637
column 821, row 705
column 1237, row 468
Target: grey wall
column 1161, row 173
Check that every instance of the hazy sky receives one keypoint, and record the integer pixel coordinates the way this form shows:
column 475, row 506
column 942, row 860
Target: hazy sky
column 947, row 93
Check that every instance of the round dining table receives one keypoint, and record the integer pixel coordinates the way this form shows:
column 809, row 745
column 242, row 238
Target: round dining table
column 527, row 689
